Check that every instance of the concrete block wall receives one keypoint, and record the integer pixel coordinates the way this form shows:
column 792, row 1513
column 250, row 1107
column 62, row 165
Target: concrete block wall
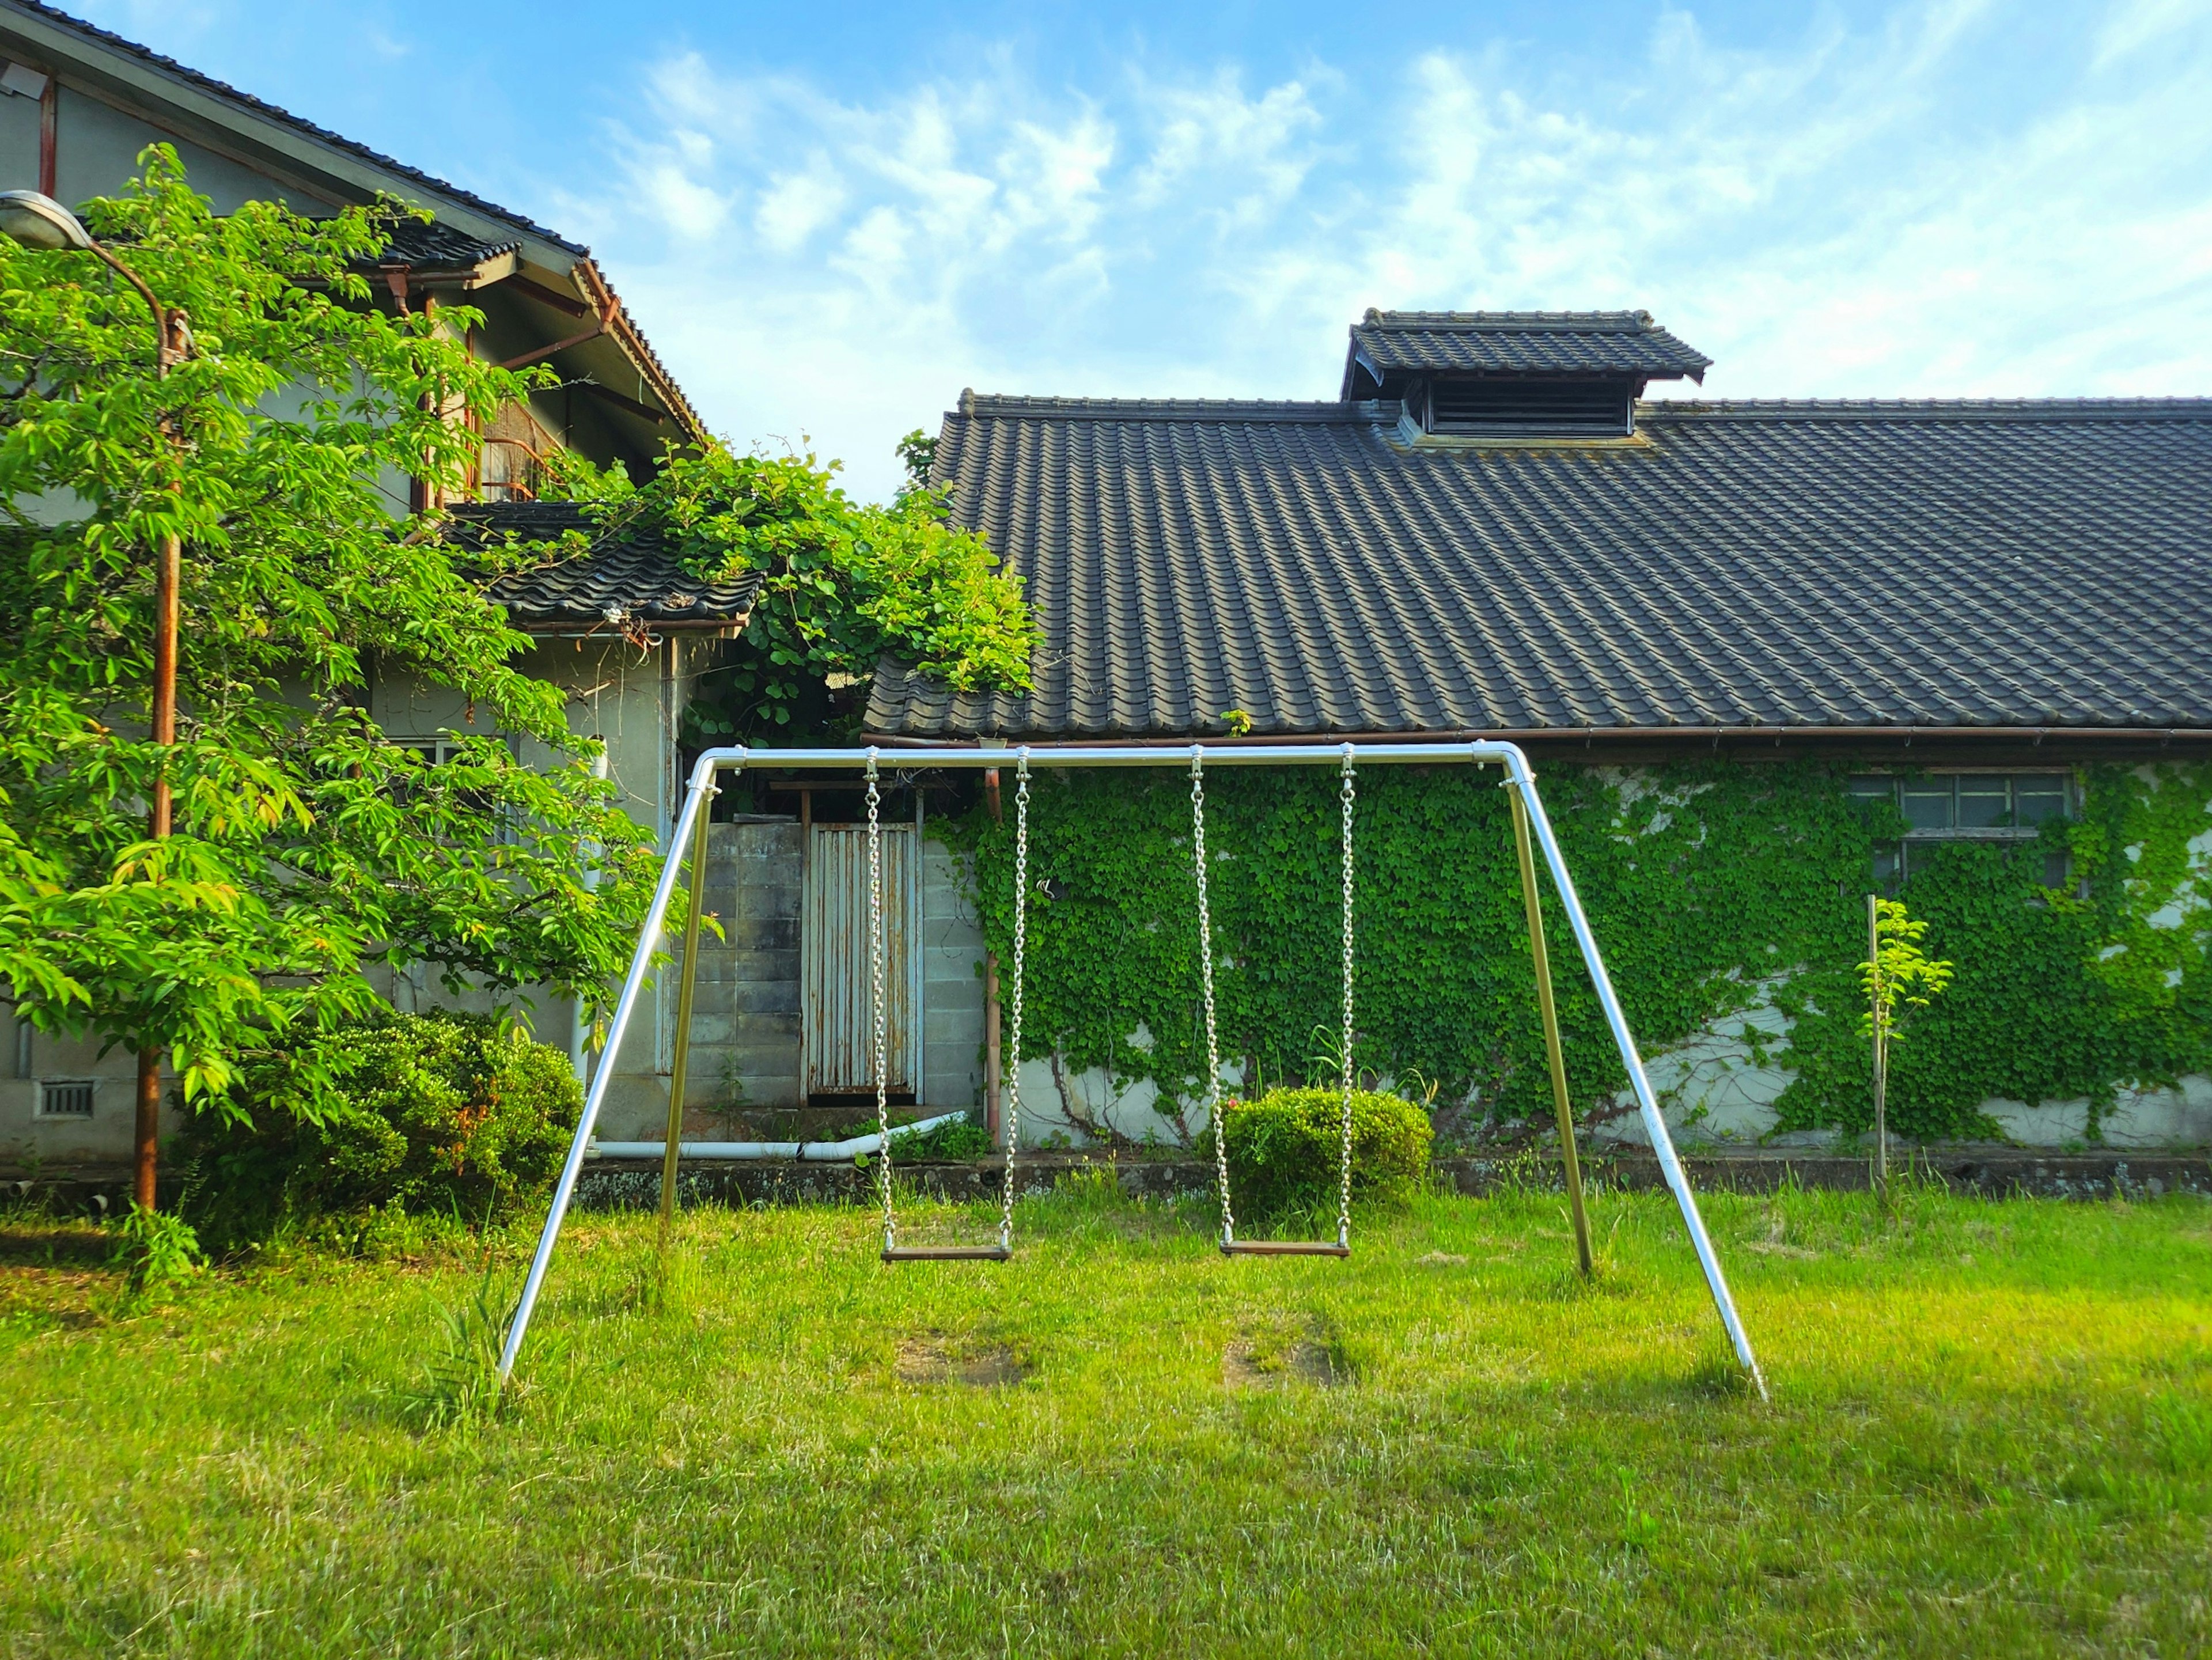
column 952, row 982
column 746, row 1010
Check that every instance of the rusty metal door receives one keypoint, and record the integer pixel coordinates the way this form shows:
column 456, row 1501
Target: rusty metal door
column 837, row 1017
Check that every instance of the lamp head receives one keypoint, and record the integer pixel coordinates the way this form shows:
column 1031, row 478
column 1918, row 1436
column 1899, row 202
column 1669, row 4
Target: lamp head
column 34, row 220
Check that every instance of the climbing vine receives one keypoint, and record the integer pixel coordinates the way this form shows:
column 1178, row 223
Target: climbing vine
column 1717, row 891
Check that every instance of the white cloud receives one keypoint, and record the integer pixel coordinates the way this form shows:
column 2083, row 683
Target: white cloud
column 794, row 205
column 2135, row 24
column 1853, row 212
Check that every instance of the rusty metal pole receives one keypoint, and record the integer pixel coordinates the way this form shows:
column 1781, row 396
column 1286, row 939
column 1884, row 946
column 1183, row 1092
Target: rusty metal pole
column 1541, row 962
column 171, row 343
column 671, row 1148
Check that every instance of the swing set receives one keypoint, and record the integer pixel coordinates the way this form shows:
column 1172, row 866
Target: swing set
column 1529, row 823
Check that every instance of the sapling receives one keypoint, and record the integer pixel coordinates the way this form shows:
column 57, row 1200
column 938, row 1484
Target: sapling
column 1897, row 971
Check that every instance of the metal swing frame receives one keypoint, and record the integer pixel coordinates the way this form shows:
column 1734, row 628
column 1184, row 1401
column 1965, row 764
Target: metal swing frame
column 1529, row 822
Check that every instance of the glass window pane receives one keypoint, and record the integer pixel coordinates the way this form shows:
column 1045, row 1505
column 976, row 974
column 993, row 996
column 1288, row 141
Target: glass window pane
column 2054, row 867
column 1928, row 804
column 1888, row 866
column 1985, row 801
column 1873, row 789
column 2041, row 796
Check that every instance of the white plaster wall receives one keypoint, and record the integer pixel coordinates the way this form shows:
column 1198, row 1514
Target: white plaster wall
column 96, row 150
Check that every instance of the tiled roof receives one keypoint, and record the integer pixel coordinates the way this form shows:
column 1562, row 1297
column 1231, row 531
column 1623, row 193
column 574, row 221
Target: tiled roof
column 437, row 246
column 1776, row 564
column 208, row 83
column 1520, row 343
column 627, row 576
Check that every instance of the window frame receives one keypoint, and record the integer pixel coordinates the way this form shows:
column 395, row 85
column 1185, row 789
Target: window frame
column 1892, row 858
column 50, row 1087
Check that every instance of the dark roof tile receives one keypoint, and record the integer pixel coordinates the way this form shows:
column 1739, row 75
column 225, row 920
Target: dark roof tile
column 1626, row 342
column 1954, row 563
column 625, row 576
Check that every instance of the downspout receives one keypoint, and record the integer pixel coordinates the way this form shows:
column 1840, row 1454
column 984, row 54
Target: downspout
column 49, row 102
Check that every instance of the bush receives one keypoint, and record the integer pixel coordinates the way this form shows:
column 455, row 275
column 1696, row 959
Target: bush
column 455, row 1113
column 1284, row 1149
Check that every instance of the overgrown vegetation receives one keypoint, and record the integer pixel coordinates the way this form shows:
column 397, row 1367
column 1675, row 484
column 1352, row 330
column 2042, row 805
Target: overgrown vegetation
column 310, row 854
column 1715, row 890
column 843, row 585
column 457, row 1115
column 1285, row 1149
column 1991, row 1434
column 964, row 1137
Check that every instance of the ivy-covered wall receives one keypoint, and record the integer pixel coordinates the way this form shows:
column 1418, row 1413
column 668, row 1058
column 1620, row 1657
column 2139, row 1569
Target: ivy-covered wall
column 1723, row 895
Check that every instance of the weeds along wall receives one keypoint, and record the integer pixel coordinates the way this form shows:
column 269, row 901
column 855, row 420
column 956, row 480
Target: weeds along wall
column 1712, row 888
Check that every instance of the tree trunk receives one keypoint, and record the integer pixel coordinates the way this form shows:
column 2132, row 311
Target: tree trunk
column 1880, row 1054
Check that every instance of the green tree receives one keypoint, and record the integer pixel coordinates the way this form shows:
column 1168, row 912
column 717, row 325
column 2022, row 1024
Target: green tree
column 1898, row 971
column 843, row 584
column 309, row 851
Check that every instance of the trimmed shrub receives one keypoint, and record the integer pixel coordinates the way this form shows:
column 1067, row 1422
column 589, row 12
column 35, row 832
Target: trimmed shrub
column 456, row 1115
column 1284, row 1149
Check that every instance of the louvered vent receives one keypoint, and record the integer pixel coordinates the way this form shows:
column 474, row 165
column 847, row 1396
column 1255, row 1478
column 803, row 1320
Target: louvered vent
column 1534, row 408
column 66, row 1097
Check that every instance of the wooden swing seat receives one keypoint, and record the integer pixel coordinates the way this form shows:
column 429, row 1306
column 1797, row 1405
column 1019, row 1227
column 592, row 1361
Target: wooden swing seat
column 1285, row 1248
column 947, row 1254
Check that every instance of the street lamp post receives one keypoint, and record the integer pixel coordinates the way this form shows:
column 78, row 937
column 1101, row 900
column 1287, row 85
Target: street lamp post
column 39, row 222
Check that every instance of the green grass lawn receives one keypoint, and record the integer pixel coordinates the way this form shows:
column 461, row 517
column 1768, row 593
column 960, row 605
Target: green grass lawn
column 1991, row 1433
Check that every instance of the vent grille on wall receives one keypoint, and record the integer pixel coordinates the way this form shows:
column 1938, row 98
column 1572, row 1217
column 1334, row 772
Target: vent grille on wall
column 66, row 1097
column 1532, row 408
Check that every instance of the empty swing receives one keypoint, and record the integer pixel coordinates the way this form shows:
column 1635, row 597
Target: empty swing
column 1231, row 1245
column 893, row 1251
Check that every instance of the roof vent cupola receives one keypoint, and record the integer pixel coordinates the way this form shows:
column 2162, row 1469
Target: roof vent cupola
column 1516, row 374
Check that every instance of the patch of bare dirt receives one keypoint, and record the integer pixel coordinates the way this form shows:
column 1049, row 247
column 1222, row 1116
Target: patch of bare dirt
column 1276, row 1361
column 936, row 1358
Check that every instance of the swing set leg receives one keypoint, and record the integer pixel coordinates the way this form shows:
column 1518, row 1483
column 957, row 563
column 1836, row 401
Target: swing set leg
column 671, row 1147
column 1552, row 1053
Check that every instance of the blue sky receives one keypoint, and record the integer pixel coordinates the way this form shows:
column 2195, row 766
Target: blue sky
column 829, row 219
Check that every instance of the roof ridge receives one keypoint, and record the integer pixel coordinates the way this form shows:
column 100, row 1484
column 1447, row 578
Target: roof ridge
column 1923, row 408
column 1366, row 412
column 224, row 89
column 1551, row 322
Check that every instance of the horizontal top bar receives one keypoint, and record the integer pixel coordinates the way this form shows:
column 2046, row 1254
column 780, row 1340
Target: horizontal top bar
column 1481, row 752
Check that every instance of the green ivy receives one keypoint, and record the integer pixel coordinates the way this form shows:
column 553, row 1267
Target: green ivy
column 1712, row 888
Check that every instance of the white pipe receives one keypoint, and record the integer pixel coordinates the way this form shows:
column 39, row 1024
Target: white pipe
column 827, row 1152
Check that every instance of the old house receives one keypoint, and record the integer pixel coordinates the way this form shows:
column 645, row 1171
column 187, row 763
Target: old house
column 1493, row 531
column 77, row 103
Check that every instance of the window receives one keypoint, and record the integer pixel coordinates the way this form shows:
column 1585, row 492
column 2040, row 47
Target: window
column 434, row 751
column 66, row 1097
column 1967, row 806
column 1529, row 407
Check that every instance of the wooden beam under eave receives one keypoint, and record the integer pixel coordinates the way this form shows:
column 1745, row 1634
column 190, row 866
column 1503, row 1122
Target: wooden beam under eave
column 645, row 412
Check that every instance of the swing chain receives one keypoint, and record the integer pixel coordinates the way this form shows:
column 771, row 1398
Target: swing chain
column 1012, row 1127
column 1344, row 1167
column 875, row 984
column 1206, row 985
